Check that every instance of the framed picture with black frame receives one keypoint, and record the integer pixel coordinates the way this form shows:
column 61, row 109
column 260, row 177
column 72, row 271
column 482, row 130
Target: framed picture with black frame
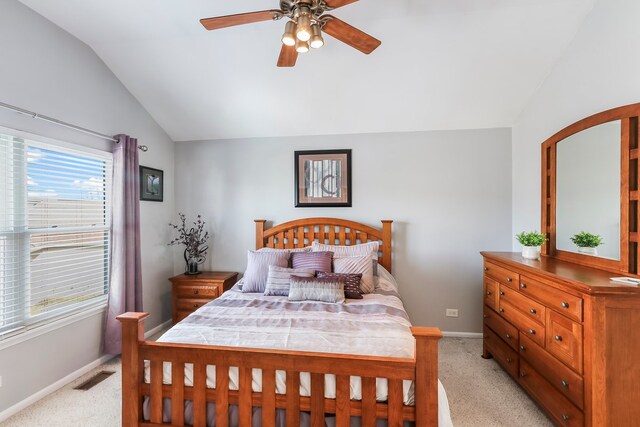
column 323, row 178
column 151, row 184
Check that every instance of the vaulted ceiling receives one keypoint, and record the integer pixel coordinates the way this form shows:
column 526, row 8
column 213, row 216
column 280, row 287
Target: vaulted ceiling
column 443, row 64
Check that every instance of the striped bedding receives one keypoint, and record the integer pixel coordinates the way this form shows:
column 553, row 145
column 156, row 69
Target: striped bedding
column 376, row 325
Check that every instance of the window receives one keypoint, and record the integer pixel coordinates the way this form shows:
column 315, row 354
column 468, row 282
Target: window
column 54, row 231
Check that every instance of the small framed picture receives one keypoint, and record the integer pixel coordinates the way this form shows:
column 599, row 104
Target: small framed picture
column 151, row 184
column 323, row 178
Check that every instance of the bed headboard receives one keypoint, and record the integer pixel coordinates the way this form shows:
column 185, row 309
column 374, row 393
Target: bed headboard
column 332, row 231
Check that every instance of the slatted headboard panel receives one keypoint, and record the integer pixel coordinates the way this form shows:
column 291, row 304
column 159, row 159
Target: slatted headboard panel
column 332, row 231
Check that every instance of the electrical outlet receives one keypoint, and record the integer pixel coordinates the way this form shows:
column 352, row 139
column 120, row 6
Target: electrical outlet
column 451, row 312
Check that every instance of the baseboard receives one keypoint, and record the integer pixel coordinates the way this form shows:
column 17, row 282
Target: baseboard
column 161, row 327
column 462, row 334
column 12, row 410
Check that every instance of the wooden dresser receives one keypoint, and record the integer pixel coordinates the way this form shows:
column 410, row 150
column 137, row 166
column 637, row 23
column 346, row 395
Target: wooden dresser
column 192, row 292
column 567, row 335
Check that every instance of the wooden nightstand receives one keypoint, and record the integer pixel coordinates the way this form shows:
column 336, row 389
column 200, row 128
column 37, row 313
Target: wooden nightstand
column 192, row 292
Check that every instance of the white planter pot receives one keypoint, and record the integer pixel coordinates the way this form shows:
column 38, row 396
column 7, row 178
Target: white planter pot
column 531, row 252
column 588, row 251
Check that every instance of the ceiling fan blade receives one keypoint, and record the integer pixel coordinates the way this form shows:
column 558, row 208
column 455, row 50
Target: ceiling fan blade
column 288, row 56
column 351, row 36
column 239, row 19
column 334, row 4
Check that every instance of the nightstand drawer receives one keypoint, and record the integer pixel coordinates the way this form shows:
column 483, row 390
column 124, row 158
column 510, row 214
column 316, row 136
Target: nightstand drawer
column 195, row 291
column 190, row 304
column 501, row 327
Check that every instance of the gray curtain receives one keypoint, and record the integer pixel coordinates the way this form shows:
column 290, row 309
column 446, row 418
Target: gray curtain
column 125, row 282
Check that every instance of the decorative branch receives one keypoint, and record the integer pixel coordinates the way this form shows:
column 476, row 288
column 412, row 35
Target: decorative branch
column 193, row 238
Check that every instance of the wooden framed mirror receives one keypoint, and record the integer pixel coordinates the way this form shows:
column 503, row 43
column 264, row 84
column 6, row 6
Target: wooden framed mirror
column 590, row 183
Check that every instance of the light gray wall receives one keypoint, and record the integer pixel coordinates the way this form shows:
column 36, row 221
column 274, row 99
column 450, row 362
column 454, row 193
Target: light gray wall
column 449, row 194
column 46, row 70
column 596, row 73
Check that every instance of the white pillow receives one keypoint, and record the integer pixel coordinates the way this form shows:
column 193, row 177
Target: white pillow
column 357, row 265
column 369, row 249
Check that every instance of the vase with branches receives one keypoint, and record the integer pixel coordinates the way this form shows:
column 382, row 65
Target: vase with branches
column 194, row 240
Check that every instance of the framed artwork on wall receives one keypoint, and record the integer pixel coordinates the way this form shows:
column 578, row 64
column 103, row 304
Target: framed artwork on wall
column 151, row 184
column 323, row 178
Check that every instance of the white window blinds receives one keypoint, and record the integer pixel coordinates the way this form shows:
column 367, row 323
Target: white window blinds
column 54, row 231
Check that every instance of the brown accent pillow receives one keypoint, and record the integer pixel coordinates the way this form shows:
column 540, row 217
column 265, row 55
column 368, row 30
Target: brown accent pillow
column 351, row 282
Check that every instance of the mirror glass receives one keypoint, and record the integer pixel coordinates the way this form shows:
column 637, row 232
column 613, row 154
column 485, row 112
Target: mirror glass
column 588, row 189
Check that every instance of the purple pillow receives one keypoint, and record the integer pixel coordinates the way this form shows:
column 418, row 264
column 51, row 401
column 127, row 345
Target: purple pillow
column 317, row 261
column 351, row 282
column 255, row 277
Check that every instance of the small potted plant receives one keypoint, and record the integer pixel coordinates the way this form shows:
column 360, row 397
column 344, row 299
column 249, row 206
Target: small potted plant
column 531, row 243
column 194, row 239
column 587, row 243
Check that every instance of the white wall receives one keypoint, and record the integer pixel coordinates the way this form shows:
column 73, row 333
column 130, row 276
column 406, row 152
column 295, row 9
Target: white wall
column 44, row 69
column 449, row 194
column 599, row 71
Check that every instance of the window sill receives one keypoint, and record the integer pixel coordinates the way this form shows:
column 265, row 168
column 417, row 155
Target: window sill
column 52, row 326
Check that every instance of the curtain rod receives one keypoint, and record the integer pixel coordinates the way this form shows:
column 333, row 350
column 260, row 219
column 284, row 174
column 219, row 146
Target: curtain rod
column 34, row 115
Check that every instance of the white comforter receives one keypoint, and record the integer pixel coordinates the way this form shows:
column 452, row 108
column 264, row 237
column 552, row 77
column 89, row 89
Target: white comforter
column 376, row 325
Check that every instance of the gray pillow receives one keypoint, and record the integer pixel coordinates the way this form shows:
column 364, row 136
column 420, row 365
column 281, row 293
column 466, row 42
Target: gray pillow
column 314, row 289
column 255, row 276
column 279, row 279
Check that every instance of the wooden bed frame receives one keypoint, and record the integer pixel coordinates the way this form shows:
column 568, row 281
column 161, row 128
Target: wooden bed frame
column 422, row 369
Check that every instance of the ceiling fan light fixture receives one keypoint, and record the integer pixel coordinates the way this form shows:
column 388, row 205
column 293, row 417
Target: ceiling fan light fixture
column 302, row 47
column 289, row 36
column 316, row 40
column 304, row 27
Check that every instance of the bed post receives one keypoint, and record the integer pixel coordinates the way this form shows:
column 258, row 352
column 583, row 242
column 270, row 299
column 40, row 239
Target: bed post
column 426, row 385
column 260, row 233
column 132, row 334
column 386, row 244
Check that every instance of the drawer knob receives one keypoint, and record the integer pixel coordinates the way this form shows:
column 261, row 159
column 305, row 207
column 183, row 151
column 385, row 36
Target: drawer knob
column 488, row 293
column 485, row 316
column 196, row 292
column 196, row 305
column 523, row 286
column 532, row 310
column 501, row 310
column 523, row 374
column 523, row 348
column 486, row 269
column 508, row 336
column 509, row 279
column 557, row 338
column 532, row 331
column 501, row 292
column 509, row 360
column 564, row 383
column 565, row 305
column 565, row 417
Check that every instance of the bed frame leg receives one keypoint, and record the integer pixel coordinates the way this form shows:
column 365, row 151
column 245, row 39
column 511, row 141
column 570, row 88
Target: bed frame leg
column 426, row 385
column 132, row 335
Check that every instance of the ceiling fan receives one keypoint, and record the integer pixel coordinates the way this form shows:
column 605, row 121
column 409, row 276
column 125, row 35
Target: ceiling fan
column 307, row 21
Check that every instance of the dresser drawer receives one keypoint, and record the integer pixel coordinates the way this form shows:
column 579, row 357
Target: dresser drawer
column 190, row 305
column 491, row 293
column 570, row 384
column 562, row 302
column 561, row 410
column 527, row 306
column 501, row 327
column 564, row 340
column 504, row 355
column 530, row 327
column 502, row 275
column 195, row 291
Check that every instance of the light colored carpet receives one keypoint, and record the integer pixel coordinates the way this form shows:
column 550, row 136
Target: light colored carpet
column 480, row 394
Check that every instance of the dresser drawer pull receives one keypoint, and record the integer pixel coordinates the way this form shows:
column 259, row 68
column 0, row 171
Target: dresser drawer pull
column 486, row 269
column 565, row 305
column 509, row 360
column 523, row 286
column 508, row 336
column 509, row 279
column 485, row 316
column 557, row 338
column 564, row 383
column 532, row 331
column 501, row 292
column 532, row 310
column 488, row 293
column 501, row 310
column 565, row 417
column 523, row 374
column 196, row 292
column 523, row 348
column 196, row 305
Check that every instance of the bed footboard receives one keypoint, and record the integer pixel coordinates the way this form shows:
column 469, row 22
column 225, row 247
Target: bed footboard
column 423, row 370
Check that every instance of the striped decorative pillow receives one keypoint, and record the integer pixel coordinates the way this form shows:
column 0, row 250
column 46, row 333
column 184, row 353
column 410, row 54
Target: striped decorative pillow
column 363, row 249
column 279, row 279
column 357, row 265
column 351, row 283
column 255, row 276
column 317, row 261
column 314, row 289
